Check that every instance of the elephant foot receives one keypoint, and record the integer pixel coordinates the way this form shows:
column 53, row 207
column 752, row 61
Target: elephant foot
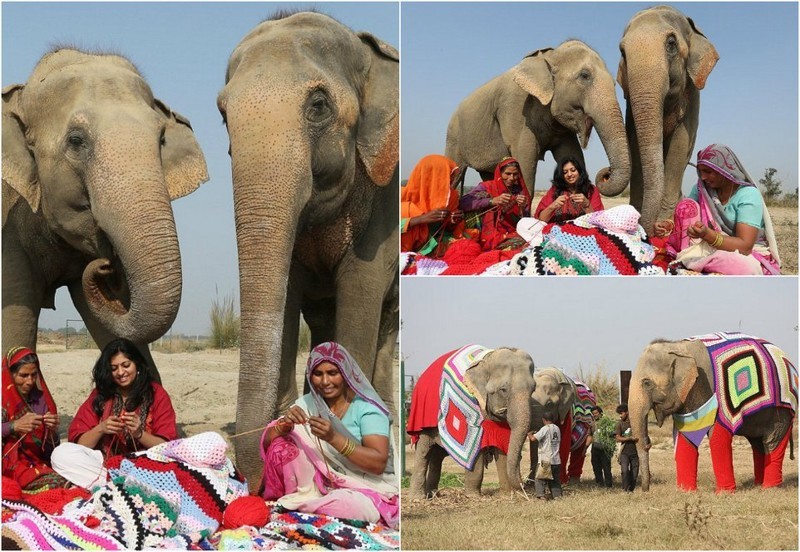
column 472, row 493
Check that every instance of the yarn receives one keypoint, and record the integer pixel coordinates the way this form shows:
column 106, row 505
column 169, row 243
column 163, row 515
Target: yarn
column 53, row 501
column 11, row 489
column 245, row 510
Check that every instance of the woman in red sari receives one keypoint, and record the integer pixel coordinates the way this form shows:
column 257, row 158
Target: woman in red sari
column 30, row 423
column 571, row 195
column 503, row 202
column 127, row 411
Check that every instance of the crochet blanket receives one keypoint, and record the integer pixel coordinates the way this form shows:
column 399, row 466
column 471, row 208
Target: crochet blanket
column 750, row 374
column 609, row 242
column 582, row 420
column 460, row 415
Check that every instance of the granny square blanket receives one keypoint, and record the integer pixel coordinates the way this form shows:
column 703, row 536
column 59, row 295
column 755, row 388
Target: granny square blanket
column 460, row 415
column 750, row 374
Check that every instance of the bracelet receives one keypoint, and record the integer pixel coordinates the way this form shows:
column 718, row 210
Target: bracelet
column 717, row 241
column 283, row 426
column 137, row 437
column 348, row 448
column 12, row 426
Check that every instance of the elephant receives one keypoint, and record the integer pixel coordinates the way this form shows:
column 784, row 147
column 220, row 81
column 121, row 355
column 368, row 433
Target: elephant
column 679, row 378
column 550, row 101
column 502, row 383
column 554, row 393
column 665, row 63
column 91, row 161
column 314, row 156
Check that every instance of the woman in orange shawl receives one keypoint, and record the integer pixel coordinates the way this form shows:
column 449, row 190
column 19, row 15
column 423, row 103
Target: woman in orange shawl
column 502, row 201
column 430, row 217
column 30, row 423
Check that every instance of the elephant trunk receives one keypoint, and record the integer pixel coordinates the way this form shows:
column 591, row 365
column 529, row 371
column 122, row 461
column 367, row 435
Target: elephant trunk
column 611, row 130
column 638, row 410
column 272, row 181
column 135, row 291
column 518, row 417
column 648, row 86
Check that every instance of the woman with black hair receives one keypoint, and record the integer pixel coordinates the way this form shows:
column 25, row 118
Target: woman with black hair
column 571, row 195
column 127, row 411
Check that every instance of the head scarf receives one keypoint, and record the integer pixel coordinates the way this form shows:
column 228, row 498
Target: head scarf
column 428, row 186
column 722, row 160
column 497, row 186
column 30, row 449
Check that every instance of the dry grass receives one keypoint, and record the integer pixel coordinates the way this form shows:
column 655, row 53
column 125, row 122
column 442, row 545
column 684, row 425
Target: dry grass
column 590, row 518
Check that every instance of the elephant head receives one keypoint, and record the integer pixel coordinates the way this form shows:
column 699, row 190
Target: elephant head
column 91, row 154
column 671, row 377
column 312, row 115
column 665, row 61
column 555, row 393
column 503, row 383
column 574, row 82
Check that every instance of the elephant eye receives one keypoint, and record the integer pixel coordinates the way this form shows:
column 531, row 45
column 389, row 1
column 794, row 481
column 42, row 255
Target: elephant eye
column 318, row 108
column 75, row 140
column 585, row 75
column 672, row 44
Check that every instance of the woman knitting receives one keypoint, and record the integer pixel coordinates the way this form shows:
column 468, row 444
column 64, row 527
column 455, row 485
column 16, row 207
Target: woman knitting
column 127, row 411
column 502, row 202
column 723, row 226
column 330, row 453
column 30, row 423
column 571, row 195
column 430, row 217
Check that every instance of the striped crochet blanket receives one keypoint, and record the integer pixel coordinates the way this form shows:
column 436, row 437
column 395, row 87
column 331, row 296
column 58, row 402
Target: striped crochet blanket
column 460, row 415
column 582, row 419
column 750, row 374
column 609, row 242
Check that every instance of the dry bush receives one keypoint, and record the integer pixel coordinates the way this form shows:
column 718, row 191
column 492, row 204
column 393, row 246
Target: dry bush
column 592, row 518
column 605, row 387
column 181, row 344
column 225, row 325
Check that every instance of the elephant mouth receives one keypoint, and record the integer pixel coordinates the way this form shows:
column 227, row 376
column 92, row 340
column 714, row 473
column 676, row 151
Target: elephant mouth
column 104, row 283
column 588, row 125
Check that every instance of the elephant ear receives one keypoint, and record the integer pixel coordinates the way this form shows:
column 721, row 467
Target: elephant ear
column 622, row 76
column 20, row 178
column 684, row 374
column 476, row 377
column 181, row 156
column 702, row 57
column 534, row 75
column 379, row 124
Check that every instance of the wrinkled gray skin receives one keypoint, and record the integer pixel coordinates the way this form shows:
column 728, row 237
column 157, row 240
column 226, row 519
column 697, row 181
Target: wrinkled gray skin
column 312, row 115
column 675, row 377
column 550, row 101
column 91, row 161
column 503, row 383
column 665, row 63
column 555, row 394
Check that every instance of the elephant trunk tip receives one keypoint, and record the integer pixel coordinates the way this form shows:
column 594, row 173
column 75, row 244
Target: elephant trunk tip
column 609, row 183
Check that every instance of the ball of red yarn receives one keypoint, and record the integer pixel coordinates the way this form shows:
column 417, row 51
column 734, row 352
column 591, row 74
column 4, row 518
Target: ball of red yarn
column 246, row 510
column 11, row 489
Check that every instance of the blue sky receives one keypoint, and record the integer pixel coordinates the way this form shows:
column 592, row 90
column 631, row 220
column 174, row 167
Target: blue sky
column 588, row 322
column 749, row 102
column 182, row 48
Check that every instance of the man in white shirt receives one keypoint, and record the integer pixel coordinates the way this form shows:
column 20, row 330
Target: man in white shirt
column 549, row 439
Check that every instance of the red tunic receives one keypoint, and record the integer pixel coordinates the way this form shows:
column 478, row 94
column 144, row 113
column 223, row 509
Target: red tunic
column 568, row 211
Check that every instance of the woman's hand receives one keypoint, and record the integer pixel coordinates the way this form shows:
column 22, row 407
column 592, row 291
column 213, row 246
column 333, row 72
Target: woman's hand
column 133, row 424
column 322, row 428
column 296, row 415
column 111, row 425
column 27, row 423
column 559, row 201
column 697, row 230
column 520, row 199
column 457, row 216
column 579, row 200
column 503, row 200
column 51, row 421
column 663, row 228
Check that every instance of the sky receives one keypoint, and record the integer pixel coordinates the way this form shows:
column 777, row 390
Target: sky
column 749, row 102
column 182, row 48
column 586, row 323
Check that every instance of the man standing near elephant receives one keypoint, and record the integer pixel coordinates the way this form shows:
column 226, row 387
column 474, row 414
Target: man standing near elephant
column 628, row 457
column 549, row 439
column 603, row 446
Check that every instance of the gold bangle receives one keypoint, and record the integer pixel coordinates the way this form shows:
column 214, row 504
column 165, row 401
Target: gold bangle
column 717, row 241
column 348, row 448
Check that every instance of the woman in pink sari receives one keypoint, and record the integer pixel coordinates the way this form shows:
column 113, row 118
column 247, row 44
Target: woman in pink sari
column 330, row 453
column 723, row 226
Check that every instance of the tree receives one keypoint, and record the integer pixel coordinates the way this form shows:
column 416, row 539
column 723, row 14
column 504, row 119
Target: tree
column 770, row 185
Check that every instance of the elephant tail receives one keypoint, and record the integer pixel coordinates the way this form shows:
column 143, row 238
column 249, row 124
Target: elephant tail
column 791, row 444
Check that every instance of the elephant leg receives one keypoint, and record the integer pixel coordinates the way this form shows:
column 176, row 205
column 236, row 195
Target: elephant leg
column 686, row 456
column 502, row 471
column 473, row 479
column 383, row 378
column 563, row 451
column 576, row 460
column 526, row 150
column 320, row 315
column 759, row 460
column 676, row 159
column 23, row 294
column 287, row 384
column 773, row 464
column 437, row 456
column 422, row 454
column 534, row 457
column 721, row 441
